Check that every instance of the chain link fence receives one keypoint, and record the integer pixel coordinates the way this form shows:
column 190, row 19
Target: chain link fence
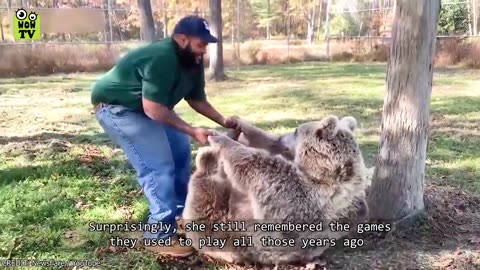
column 254, row 31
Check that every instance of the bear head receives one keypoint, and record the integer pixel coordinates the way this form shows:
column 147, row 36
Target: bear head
column 326, row 150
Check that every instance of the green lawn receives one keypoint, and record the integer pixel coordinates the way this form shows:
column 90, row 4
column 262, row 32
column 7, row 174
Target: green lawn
column 58, row 171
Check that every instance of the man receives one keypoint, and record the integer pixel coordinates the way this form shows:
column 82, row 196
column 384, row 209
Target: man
column 134, row 104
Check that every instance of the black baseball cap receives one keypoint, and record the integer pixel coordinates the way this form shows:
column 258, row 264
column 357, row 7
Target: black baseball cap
column 195, row 26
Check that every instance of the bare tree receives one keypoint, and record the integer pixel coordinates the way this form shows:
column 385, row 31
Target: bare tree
column 398, row 183
column 310, row 13
column 147, row 25
column 217, row 71
column 165, row 19
column 106, row 14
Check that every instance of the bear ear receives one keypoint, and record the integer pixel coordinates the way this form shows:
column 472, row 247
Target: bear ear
column 327, row 126
column 206, row 159
column 350, row 122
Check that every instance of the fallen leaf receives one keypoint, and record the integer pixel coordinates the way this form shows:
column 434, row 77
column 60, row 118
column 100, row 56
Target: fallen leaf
column 445, row 263
column 100, row 251
column 474, row 240
column 127, row 212
column 70, row 234
column 79, row 204
column 82, row 205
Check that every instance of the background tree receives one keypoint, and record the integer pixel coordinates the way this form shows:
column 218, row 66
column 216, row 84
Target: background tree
column 398, row 182
column 147, row 25
column 217, row 71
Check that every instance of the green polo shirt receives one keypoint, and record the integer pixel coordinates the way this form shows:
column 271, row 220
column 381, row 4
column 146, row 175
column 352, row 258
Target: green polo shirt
column 151, row 71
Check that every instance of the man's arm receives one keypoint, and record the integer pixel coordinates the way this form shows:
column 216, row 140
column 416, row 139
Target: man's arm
column 162, row 114
column 206, row 109
column 157, row 82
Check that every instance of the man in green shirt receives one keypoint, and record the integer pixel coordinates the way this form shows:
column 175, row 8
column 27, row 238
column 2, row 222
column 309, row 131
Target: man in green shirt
column 134, row 104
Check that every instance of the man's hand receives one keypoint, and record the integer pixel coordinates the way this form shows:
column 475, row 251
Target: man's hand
column 201, row 135
column 232, row 122
column 207, row 110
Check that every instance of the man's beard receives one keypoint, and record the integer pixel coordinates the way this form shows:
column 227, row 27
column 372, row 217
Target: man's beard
column 188, row 59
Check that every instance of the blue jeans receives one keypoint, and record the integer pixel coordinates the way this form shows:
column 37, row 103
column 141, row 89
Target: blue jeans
column 160, row 156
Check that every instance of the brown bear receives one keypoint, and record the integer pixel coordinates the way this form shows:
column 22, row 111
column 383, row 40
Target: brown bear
column 278, row 193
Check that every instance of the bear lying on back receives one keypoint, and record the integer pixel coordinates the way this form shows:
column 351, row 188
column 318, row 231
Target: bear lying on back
column 314, row 175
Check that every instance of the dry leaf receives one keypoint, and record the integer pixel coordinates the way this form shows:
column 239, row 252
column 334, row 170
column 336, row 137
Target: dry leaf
column 474, row 240
column 70, row 234
column 445, row 263
column 127, row 212
column 81, row 205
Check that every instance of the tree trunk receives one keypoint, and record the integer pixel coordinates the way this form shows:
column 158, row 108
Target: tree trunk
column 1, row 28
column 319, row 25
column 217, row 72
column 469, row 18
column 398, row 181
column 106, row 15
column 9, row 5
column 310, row 24
column 475, row 18
column 268, row 19
column 147, row 25
column 165, row 20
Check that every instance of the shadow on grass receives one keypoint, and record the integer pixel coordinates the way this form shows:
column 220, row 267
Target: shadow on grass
column 40, row 202
column 78, row 167
column 98, row 139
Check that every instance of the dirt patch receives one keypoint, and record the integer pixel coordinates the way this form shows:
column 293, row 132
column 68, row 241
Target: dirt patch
column 447, row 238
column 92, row 154
column 32, row 148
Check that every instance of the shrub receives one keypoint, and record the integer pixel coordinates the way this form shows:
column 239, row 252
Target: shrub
column 473, row 59
column 252, row 50
column 342, row 56
column 28, row 60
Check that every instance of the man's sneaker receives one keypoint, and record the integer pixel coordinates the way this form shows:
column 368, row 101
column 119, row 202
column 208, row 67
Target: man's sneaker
column 173, row 249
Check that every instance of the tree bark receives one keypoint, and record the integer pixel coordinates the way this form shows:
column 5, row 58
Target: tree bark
column 1, row 28
column 398, row 181
column 217, row 72
column 147, row 24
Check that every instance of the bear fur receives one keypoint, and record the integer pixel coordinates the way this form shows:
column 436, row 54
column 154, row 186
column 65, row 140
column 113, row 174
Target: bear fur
column 314, row 175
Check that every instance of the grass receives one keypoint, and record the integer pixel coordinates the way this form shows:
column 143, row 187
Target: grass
column 58, row 171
